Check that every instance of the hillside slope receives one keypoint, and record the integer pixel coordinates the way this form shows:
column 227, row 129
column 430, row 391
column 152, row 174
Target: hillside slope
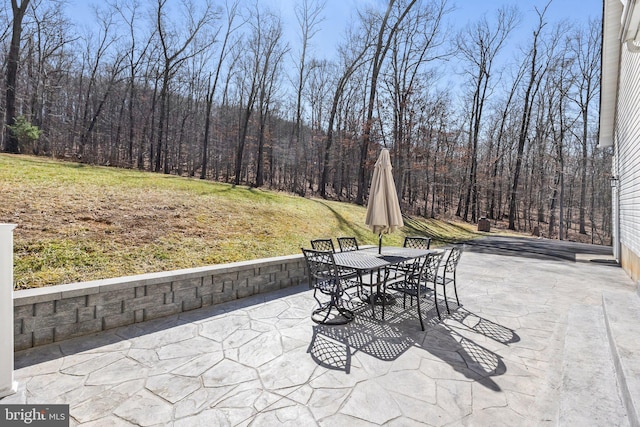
column 78, row 222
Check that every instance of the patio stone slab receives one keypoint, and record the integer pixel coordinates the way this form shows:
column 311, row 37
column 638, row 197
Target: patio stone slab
column 261, row 349
column 119, row 371
column 199, row 365
column 53, row 386
column 291, row 415
column 495, row 360
column 590, row 391
column 110, row 421
column 228, row 372
column 323, row 402
column 293, row 369
column 192, row 347
column 208, row 418
column 622, row 315
column 103, row 404
column 220, row 328
column 144, row 409
column 173, row 388
column 97, row 343
column 363, row 405
column 149, row 359
column 92, row 362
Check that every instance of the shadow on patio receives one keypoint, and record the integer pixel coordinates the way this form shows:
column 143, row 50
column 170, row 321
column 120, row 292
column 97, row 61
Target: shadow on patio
column 333, row 346
column 541, row 249
column 113, row 337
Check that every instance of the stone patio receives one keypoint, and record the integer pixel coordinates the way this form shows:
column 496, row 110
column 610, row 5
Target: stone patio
column 500, row 359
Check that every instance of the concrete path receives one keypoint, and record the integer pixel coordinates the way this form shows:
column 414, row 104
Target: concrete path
column 497, row 360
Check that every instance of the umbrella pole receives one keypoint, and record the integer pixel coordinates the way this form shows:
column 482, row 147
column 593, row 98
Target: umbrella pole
column 380, row 243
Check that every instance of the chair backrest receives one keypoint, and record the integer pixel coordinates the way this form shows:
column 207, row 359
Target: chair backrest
column 321, row 265
column 417, row 242
column 430, row 265
column 323, row 245
column 348, row 244
column 452, row 260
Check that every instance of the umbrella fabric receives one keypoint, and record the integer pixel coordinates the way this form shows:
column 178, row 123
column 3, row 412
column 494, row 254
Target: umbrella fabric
column 383, row 210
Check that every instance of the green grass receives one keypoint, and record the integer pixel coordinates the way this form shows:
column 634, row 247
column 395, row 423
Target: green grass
column 78, row 222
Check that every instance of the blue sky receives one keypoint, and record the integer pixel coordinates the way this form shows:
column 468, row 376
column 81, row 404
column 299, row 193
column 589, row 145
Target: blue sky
column 338, row 13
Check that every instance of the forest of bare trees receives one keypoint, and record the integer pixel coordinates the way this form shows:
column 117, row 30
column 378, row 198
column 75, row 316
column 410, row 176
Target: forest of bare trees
column 220, row 90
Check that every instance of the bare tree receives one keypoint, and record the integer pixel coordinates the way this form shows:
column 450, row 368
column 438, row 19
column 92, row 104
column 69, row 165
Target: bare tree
column 45, row 62
column 586, row 48
column 94, row 58
column 129, row 12
column 559, row 82
column 308, row 18
column 266, row 32
column 351, row 63
column 232, row 13
column 417, row 43
column 385, row 34
column 479, row 46
column 176, row 44
column 268, row 79
column 319, row 98
column 11, row 144
column 536, row 71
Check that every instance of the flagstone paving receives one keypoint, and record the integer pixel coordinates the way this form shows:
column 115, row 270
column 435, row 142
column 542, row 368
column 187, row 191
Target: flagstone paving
column 496, row 360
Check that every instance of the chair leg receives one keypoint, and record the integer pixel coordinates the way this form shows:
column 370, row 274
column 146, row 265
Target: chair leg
column 321, row 308
column 360, row 286
column 455, row 288
column 372, row 303
column 419, row 310
column 325, row 309
column 444, row 291
column 435, row 298
column 446, row 302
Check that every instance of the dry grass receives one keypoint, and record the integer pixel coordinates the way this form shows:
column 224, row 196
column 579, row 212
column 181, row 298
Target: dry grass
column 78, row 223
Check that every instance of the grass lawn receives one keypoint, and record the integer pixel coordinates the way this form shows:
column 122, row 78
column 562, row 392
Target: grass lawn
column 78, row 222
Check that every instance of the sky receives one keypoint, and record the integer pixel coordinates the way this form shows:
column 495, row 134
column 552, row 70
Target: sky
column 339, row 13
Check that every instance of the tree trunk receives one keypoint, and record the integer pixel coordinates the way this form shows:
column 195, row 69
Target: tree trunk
column 522, row 137
column 11, row 145
column 378, row 59
column 583, row 172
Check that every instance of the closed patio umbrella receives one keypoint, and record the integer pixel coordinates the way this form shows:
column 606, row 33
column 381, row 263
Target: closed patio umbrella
column 383, row 210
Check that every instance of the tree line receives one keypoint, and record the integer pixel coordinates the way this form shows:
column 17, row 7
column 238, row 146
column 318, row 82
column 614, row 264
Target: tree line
column 216, row 90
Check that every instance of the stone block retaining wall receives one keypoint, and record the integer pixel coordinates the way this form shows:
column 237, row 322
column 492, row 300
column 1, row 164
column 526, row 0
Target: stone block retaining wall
column 56, row 313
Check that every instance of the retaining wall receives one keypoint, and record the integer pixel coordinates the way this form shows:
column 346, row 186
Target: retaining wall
column 56, row 313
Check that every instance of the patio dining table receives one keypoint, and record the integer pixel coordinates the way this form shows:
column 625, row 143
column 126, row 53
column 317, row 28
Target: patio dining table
column 378, row 264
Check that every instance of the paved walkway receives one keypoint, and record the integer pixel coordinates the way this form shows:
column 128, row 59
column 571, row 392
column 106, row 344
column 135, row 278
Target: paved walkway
column 496, row 360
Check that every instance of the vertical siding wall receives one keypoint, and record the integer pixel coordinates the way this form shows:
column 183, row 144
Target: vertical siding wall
column 628, row 160
column 56, row 313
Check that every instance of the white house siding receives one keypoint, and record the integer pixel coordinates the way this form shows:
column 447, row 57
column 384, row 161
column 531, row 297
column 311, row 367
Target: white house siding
column 627, row 161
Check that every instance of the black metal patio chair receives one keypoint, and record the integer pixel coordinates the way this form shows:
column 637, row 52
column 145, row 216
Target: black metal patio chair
column 327, row 245
column 323, row 245
column 417, row 283
column 447, row 274
column 324, row 277
column 417, row 242
column 348, row 244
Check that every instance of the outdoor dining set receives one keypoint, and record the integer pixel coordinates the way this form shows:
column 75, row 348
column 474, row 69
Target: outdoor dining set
column 378, row 276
